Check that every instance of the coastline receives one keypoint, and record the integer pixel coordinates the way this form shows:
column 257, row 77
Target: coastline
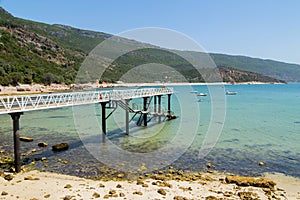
column 39, row 89
column 286, row 188
column 209, row 185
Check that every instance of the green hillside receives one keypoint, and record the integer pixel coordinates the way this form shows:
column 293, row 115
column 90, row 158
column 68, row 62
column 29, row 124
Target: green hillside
column 42, row 53
column 275, row 69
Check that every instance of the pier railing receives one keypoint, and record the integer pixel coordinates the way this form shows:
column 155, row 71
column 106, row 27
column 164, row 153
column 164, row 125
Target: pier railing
column 22, row 103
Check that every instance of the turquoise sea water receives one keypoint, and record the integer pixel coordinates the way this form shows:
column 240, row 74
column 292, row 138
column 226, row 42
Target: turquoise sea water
column 262, row 124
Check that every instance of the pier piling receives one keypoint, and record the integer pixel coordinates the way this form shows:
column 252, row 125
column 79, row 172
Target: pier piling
column 159, row 108
column 103, row 109
column 145, row 110
column 16, row 131
column 169, row 104
column 154, row 109
column 127, row 116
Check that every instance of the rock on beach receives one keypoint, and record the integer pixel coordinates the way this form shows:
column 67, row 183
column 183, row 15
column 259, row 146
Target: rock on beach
column 250, row 181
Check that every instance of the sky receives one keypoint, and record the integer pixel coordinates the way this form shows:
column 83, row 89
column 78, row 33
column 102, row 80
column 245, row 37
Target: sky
column 268, row 29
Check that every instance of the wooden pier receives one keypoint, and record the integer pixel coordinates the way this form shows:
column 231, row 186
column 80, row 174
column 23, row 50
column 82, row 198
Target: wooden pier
column 17, row 105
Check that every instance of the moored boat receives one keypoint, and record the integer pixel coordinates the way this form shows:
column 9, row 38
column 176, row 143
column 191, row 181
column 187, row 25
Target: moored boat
column 202, row 94
column 230, row 93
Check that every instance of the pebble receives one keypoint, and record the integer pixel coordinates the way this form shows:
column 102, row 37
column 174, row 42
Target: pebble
column 161, row 191
column 112, row 192
column 139, row 182
column 8, row 177
column 120, row 175
column 96, row 195
column 4, row 193
column 145, row 185
column 68, row 186
column 30, row 178
column 180, row 198
column 122, row 194
column 261, row 163
column 68, row 197
column 101, row 185
column 138, row 193
column 211, row 198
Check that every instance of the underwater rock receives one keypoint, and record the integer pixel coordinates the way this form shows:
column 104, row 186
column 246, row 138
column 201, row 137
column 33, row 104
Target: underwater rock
column 6, row 162
column 42, row 144
column 250, row 181
column 120, row 175
column 261, row 163
column 26, row 139
column 60, row 147
column 209, row 165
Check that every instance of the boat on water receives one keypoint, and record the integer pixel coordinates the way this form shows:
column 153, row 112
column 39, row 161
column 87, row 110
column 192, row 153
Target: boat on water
column 202, row 94
column 194, row 92
column 230, row 93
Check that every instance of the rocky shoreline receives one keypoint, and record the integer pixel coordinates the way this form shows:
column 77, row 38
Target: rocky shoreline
column 208, row 185
column 169, row 183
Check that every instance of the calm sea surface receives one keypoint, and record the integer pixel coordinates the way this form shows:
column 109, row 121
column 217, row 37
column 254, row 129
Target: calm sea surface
column 262, row 124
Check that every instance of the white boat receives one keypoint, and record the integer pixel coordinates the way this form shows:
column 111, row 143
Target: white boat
column 202, row 94
column 231, row 93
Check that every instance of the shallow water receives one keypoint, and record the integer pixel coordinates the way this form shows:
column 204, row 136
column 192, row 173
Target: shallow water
column 262, row 124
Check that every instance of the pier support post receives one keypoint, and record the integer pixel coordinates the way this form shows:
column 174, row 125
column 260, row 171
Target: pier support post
column 154, row 110
column 127, row 116
column 159, row 108
column 145, row 110
column 169, row 104
column 16, row 128
column 103, row 108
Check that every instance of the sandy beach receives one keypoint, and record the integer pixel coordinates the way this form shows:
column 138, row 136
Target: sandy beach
column 45, row 185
